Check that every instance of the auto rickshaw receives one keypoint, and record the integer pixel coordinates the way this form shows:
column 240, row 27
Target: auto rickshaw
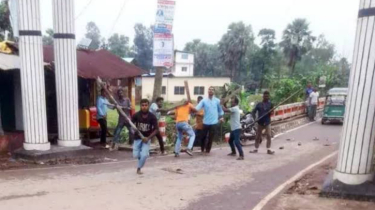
column 334, row 109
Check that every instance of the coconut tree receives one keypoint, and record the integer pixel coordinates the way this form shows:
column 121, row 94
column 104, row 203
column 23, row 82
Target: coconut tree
column 296, row 42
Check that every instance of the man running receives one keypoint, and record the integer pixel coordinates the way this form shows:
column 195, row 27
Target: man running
column 125, row 104
column 182, row 125
column 264, row 123
column 155, row 109
column 212, row 114
column 147, row 124
column 235, row 125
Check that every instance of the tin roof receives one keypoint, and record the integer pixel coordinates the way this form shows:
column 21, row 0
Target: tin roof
column 101, row 63
column 90, row 64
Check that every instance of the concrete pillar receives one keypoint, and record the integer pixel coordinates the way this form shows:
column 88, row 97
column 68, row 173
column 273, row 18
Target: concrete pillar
column 355, row 162
column 32, row 76
column 66, row 73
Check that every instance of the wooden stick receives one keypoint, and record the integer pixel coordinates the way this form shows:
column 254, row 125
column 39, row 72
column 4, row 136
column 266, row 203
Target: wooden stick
column 226, row 99
column 119, row 109
column 187, row 90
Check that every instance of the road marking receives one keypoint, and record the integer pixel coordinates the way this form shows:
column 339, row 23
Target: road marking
column 133, row 160
column 275, row 192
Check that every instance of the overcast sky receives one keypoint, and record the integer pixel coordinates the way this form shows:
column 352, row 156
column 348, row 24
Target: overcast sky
column 208, row 19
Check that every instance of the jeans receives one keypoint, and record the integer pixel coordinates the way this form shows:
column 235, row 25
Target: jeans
column 259, row 135
column 312, row 113
column 211, row 131
column 181, row 127
column 141, row 151
column 103, row 130
column 234, row 140
column 118, row 130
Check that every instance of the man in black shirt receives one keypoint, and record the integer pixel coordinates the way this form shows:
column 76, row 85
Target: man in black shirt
column 147, row 124
column 264, row 122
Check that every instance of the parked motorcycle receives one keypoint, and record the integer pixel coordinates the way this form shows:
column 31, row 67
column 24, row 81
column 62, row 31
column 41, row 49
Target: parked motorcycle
column 249, row 130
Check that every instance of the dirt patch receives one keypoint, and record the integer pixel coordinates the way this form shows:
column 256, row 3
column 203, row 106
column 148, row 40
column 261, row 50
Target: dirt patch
column 304, row 194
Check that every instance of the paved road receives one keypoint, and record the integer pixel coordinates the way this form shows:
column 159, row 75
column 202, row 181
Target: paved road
column 208, row 182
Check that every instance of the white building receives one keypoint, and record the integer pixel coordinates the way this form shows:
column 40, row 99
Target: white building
column 183, row 64
column 173, row 89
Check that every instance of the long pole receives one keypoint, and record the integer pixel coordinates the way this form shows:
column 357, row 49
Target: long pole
column 273, row 109
column 119, row 109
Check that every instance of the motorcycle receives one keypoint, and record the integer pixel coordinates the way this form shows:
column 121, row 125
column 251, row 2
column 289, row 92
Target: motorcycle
column 249, row 130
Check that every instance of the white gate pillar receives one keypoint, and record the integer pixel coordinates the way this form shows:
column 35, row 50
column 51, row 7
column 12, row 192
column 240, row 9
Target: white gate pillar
column 355, row 162
column 66, row 73
column 32, row 76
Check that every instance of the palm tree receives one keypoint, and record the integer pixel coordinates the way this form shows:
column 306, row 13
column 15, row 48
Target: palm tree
column 297, row 41
column 234, row 45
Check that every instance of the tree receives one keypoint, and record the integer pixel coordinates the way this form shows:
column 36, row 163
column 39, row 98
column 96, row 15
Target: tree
column 119, row 45
column 93, row 33
column 207, row 60
column 296, row 42
column 48, row 39
column 5, row 21
column 265, row 55
column 143, row 46
column 234, row 45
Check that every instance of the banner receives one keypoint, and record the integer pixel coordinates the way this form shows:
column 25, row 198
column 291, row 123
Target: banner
column 164, row 16
column 163, row 50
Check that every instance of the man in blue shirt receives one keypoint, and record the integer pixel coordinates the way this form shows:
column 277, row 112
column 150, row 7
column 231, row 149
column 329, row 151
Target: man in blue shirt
column 102, row 106
column 213, row 112
column 264, row 110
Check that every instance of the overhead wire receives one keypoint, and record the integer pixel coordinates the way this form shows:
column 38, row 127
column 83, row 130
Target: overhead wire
column 84, row 9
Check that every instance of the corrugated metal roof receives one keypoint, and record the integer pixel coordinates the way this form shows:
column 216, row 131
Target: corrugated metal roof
column 101, row 63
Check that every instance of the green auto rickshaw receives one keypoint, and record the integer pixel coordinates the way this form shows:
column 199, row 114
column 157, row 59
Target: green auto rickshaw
column 334, row 108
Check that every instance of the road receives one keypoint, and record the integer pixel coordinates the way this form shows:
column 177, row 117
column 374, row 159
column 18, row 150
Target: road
column 207, row 182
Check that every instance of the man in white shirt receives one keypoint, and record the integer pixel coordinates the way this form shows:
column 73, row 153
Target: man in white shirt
column 313, row 103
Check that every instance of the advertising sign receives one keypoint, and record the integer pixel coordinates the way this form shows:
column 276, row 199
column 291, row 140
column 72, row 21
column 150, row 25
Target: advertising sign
column 165, row 16
column 163, row 50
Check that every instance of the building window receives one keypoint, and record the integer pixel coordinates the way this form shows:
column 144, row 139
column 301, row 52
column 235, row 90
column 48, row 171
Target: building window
column 199, row 90
column 184, row 56
column 184, row 69
column 179, row 90
column 163, row 90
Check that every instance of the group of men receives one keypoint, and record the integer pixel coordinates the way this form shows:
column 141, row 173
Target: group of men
column 209, row 113
column 312, row 97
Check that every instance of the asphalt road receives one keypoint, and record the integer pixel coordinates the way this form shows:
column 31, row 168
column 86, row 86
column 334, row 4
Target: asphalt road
column 205, row 182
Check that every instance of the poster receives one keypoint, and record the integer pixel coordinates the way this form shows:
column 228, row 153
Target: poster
column 164, row 16
column 163, row 50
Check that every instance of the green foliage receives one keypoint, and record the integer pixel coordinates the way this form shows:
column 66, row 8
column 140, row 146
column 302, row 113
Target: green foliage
column 48, row 38
column 4, row 20
column 207, row 61
column 297, row 41
column 233, row 47
column 143, row 46
column 119, row 45
column 93, row 33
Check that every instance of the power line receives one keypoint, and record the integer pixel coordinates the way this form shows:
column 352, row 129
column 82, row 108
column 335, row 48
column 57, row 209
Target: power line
column 118, row 16
column 84, row 9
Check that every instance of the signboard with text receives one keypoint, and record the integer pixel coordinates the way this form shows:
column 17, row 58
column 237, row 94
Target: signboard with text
column 163, row 50
column 164, row 16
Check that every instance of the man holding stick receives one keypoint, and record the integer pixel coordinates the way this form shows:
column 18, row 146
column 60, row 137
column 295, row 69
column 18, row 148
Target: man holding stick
column 102, row 105
column 182, row 125
column 147, row 124
column 264, row 110
column 125, row 104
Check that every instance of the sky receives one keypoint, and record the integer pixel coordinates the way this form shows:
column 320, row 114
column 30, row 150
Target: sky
column 208, row 19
